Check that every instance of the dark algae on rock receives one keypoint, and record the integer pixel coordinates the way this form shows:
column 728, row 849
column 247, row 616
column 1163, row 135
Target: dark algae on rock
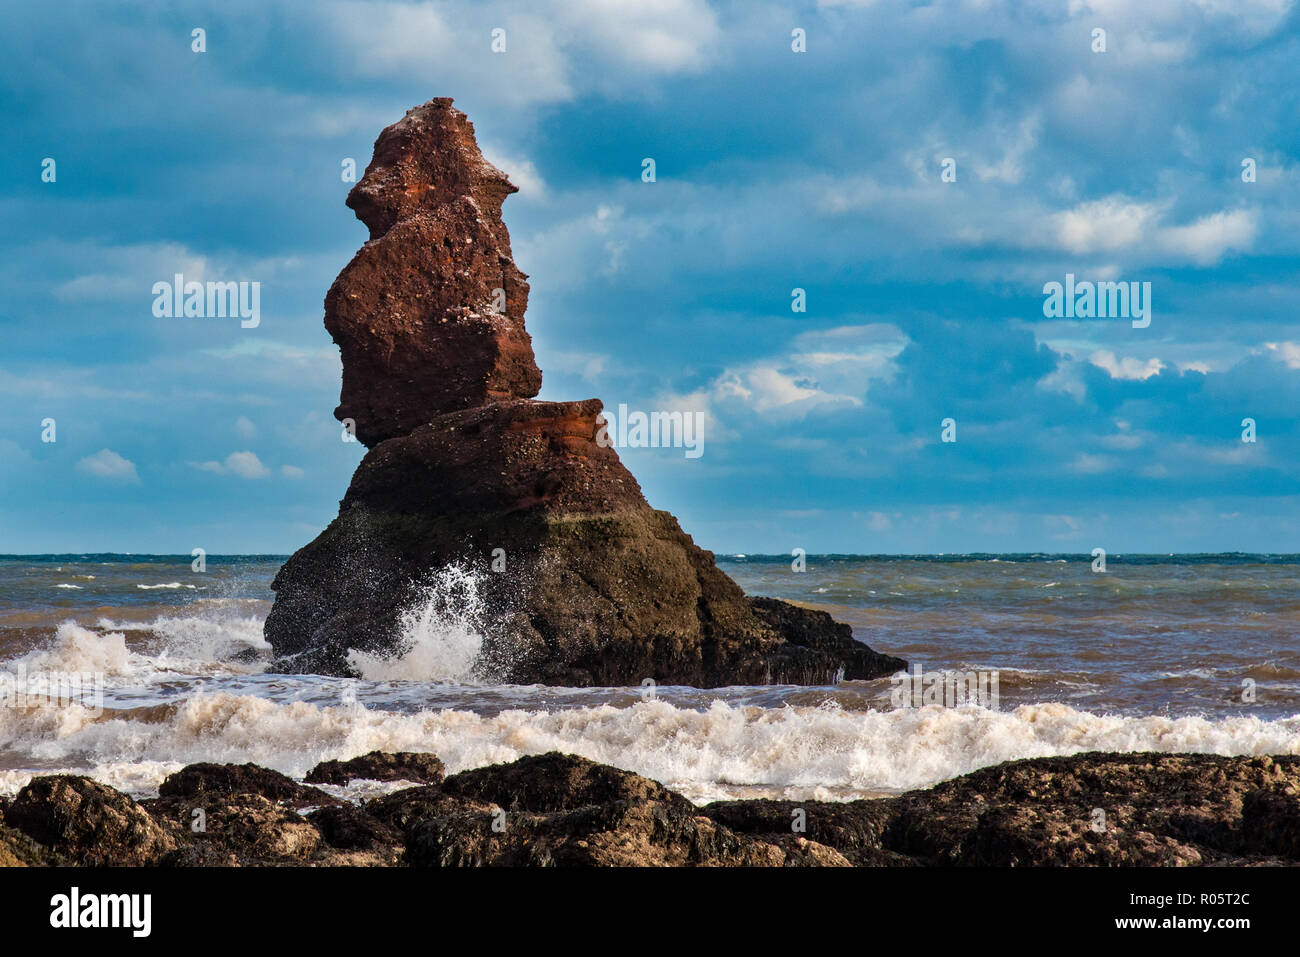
column 591, row 585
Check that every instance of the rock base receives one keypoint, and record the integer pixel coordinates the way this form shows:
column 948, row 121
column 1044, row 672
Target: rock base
column 577, row 581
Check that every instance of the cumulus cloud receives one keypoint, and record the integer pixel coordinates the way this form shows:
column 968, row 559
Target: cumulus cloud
column 659, row 36
column 765, row 388
column 587, row 365
column 1086, row 463
column 1126, row 368
column 1106, row 225
column 245, row 465
column 833, row 367
column 107, row 464
column 553, row 51
column 1206, row 240
column 125, row 272
column 1117, row 224
column 1288, row 352
column 518, row 169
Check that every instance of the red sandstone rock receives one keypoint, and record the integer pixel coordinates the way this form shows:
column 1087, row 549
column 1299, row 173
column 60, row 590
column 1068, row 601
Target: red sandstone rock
column 592, row 585
column 415, row 311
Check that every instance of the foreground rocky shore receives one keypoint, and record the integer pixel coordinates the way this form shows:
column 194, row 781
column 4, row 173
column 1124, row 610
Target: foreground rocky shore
column 561, row 810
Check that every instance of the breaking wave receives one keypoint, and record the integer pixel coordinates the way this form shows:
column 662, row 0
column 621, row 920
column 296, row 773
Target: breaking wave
column 440, row 632
column 718, row 752
column 218, row 642
column 186, row 681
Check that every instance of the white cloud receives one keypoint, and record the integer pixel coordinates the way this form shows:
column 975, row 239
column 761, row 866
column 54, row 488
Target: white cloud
column 846, row 359
column 1072, row 524
column 1115, row 223
column 588, row 365
column 1105, row 225
column 554, row 51
column 828, row 368
column 1240, row 453
column 878, row 522
column 566, row 251
column 420, row 46
column 1209, row 238
column 387, row 38
column 519, row 170
column 1128, row 368
column 245, row 428
column 292, row 472
column 127, row 272
column 244, row 465
column 107, row 464
column 659, row 36
column 1064, row 378
column 1121, row 442
column 268, row 362
column 766, row 388
column 1010, row 169
column 1087, row 464
column 1289, row 352
column 11, row 453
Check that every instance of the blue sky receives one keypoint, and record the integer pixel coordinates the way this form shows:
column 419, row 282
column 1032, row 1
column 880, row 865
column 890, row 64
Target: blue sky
column 775, row 170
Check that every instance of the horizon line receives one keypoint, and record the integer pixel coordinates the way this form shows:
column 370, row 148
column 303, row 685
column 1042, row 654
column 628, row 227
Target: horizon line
column 720, row 554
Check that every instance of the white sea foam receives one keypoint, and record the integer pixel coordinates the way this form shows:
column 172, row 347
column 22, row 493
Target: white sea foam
column 79, row 649
column 194, row 645
column 441, row 632
column 719, row 752
column 206, row 638
column 707, row 751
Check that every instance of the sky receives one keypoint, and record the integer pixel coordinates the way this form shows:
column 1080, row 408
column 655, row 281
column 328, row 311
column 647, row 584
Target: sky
column 921, row 171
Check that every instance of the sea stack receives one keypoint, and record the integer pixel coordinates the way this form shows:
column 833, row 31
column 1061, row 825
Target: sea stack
column 578, row 581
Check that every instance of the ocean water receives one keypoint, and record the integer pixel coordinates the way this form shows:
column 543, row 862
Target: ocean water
column 1160, row 653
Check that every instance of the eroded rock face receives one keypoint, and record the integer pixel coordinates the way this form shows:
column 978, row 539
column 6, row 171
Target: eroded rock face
column 350, row 828
column 429, row 313
column 578, row 580
column 224, row 780
column 557, row 782
column 238, row 830
column 563, row 810
column 378, row 766
column 19, row 850
column 87, row 822
column 854, row 829
column 1160, row 810
column 621, row 834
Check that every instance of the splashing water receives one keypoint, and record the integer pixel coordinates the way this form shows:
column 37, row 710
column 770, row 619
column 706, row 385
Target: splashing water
column 1151, row 659
column 441, row 632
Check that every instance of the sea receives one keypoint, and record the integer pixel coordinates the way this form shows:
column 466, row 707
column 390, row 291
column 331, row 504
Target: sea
column 1166, row 653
